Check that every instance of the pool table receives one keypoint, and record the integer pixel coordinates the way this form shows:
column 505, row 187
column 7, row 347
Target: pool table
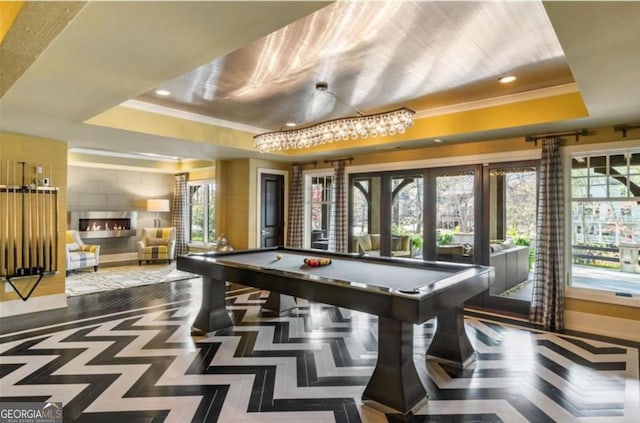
column 400, row 292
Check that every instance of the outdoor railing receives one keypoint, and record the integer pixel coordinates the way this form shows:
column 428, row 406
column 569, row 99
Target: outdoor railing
column 591, row 253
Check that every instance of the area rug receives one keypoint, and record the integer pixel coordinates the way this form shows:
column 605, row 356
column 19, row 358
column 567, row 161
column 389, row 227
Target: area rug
column 111, row 278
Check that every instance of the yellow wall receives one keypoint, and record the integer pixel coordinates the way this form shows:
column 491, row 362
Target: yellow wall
column 513, row 115
column 129, row 119
column 233, row 207
column 8, row 12
column 48, row 152
column 237, row 184
column 602, row 309
column 445, row 150
column 202, row 174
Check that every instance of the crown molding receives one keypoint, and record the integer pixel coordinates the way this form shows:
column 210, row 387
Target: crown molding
column 194, row 117
column 498, row 101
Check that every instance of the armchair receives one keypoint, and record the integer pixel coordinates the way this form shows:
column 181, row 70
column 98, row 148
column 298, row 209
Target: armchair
column 157, row 244
column 80, row 255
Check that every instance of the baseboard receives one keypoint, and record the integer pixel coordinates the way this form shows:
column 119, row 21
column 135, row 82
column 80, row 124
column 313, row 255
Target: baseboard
column 201, row 248
column 597, row 324
column 575, row 321
column 113, row 258
column 34, row 304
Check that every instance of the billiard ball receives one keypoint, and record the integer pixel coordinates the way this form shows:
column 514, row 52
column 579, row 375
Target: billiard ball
column 278, row 256
column 316, row 262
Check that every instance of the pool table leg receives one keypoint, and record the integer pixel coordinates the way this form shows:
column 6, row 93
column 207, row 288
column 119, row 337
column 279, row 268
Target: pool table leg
column 279, row 304
column 450, row 343
column 395, row 385
column 213, row 311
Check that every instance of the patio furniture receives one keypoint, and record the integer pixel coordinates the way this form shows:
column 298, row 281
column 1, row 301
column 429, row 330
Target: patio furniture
column 370, row 244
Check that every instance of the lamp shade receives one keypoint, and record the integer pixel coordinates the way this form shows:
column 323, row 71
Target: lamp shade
column 158, row 205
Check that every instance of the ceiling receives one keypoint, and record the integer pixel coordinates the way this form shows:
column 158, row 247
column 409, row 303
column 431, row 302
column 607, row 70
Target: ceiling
column 87, row 73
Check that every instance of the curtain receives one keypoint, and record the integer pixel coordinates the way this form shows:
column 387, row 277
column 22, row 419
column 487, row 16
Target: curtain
column 180, row 212
column 547, row 301
column 295, row 229
column 338, row 226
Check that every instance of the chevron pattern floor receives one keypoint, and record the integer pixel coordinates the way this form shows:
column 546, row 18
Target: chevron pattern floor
column 128, row 356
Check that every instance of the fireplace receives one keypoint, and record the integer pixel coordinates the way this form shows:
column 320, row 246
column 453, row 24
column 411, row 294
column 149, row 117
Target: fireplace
column 107, row 224
column 103, row 224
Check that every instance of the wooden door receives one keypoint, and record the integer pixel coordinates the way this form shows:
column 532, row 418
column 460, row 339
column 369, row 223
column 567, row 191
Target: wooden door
column 271, row 210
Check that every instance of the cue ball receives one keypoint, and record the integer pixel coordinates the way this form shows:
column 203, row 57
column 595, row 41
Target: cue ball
column 279, row 256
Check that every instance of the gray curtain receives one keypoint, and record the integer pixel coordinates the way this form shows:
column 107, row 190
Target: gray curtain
column 295, row 227
column 180, row 212
column 547, row 301
column 338, row 226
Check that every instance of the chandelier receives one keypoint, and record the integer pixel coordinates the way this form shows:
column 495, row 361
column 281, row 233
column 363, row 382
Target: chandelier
column 342, row 129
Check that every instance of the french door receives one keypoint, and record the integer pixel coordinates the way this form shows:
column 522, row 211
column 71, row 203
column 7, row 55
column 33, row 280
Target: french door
column 468, row 214
column 511, row 211
column 386, row 214
column 455, row 213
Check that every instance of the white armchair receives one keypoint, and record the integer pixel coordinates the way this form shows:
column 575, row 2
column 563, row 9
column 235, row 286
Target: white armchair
column 157, row 244
column 80, row 255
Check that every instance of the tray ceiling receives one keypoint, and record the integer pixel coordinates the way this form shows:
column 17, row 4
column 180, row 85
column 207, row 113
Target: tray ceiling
column 236, row 68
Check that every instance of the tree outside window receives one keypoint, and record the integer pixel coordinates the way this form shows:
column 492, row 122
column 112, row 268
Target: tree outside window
column 320, row 203
column 605, row 221
column 202, row 212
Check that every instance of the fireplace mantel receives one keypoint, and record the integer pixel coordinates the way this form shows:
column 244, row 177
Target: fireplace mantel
column 104, row 224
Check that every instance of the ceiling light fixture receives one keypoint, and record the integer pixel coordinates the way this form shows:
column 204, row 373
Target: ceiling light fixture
column 507, row 79
column 163, row 93
column 341, row 129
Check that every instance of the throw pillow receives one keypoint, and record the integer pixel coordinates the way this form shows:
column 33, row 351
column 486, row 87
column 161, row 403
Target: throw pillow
column 495, row 247
column 73, row 246
column 365, row 242
column 375, row 241
column 152, row 241
column 405, row 243
column 508, row 243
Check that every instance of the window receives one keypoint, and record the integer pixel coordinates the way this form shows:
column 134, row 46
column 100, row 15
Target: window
column 512, row 228
column 406, row 215
column 455, row 215
column 605, row 222
column 318, row 199
column 202, row 211
column 443, row 214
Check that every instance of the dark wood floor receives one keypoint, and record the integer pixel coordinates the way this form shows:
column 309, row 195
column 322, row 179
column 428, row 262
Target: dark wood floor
column 129, row 355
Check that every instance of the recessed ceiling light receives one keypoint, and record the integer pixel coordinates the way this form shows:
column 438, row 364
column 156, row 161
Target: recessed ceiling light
column 163, row 93
column 437, row 140
column 507, row 79
column 290, row 124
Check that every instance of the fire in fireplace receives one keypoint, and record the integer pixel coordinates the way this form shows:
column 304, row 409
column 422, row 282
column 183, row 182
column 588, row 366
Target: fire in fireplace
column 103, row 224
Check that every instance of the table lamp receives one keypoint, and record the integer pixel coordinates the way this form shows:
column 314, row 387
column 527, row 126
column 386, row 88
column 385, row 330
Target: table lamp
column 157, row 205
